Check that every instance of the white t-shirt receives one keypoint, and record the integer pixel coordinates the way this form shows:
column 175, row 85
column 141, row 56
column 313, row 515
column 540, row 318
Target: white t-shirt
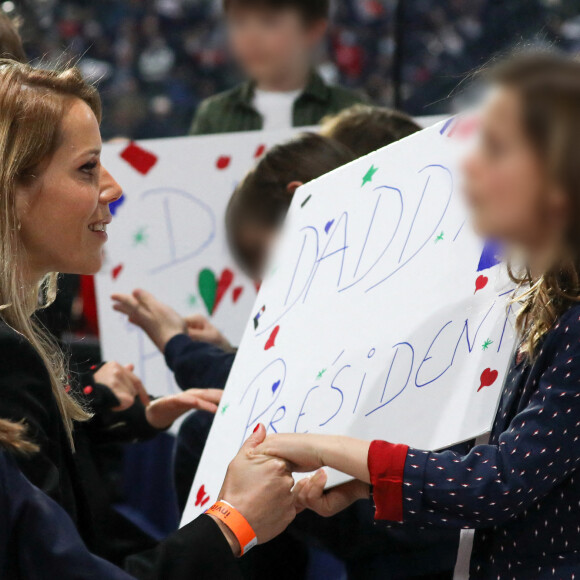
column 277, row 109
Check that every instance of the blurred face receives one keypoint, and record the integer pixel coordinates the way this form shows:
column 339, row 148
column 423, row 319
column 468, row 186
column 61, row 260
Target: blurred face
column 507, row 188
column 271, row 44
column 255, row 244
column 64, row 212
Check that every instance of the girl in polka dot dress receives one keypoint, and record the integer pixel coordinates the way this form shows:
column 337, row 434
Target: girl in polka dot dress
column 520, row 492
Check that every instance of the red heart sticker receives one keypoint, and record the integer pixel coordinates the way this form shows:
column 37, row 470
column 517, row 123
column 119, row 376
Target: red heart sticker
column 481, row 283
column 225, row 281
column 272, row 340
column 223, row 162
column 202, row 497
column 116, row 271
column 488, row 377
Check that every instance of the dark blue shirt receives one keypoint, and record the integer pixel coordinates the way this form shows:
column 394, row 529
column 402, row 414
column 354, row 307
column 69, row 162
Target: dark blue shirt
column 38, row 538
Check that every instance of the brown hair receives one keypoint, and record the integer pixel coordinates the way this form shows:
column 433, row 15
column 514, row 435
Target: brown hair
column 262, row 198
column 310, row 10
column 10, row 42
column 13, row 438
column 364, row 128
column 33, row 103
column 548, row 86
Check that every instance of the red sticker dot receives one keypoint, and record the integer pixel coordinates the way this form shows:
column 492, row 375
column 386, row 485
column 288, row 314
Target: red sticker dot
column 88, row 390
column 67, row 389
column 223, row 162
column 260, row 151
column 116, row 271
column 237, row 293
column 140, row 159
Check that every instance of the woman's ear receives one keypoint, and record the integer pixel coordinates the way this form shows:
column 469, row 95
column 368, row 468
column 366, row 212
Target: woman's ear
column 22, row 199
column 293, row 186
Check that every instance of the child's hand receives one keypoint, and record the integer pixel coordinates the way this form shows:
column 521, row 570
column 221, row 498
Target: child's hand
column 308, row 452
column 201, row 329
column 309, row 494
column 161, row 413
column 159, row 321
column 301, row 451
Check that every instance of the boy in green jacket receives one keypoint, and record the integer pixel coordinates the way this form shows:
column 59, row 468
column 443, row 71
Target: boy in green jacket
column 273, row 41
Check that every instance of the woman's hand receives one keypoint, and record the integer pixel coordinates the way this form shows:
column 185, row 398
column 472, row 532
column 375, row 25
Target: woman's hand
column 260, row 488
column 201, row 329
column 161, row 413
column 159, row 321
column 310, row 494
column 125, row 385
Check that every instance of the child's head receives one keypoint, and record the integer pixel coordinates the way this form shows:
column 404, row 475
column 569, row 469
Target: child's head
column 523, row 180
column 273, row 39
column 259, row 205
column 364, row 128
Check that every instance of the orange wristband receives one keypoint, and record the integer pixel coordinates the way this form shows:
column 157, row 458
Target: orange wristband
column 236, row 522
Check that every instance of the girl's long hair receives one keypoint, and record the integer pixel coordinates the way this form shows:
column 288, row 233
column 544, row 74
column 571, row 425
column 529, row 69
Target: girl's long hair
column 33, row 103
column 548, row 85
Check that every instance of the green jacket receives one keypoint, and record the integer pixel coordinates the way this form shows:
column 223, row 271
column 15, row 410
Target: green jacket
column 233, row 110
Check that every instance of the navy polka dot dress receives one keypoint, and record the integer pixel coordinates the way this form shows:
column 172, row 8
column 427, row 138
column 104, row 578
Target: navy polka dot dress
column 522, row 491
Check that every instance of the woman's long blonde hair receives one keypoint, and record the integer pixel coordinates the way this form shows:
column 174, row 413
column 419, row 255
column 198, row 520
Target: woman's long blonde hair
column 33, row 103
column 548, row 85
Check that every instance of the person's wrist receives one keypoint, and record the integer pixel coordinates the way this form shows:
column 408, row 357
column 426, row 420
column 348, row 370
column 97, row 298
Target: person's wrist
column 153, row 420
column 229, row 536
column 166, row 336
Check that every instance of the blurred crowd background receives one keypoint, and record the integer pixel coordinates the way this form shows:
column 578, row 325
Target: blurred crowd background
column 156, row 60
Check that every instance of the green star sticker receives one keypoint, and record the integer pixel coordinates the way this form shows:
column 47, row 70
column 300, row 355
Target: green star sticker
column 369, row 175
column 140, row 237
column 487, row 344
column 192, row 300
column 225, row 408
column 439, row 238
column 319, row 375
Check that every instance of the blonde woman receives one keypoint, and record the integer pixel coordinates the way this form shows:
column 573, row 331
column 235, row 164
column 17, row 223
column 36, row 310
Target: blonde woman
column 54, row 212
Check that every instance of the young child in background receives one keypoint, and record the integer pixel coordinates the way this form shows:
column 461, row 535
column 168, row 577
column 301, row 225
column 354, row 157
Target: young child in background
column 273, row 42
column 365, row 129
column 520, row 492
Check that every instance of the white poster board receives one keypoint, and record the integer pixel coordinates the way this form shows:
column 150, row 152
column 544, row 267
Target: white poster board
column 382, row 315
column 169, row 228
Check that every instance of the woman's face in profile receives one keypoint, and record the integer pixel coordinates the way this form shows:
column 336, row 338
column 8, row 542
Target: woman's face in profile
column 64, row 212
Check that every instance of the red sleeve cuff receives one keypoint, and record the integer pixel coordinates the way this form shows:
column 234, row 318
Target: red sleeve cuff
column 386, row 463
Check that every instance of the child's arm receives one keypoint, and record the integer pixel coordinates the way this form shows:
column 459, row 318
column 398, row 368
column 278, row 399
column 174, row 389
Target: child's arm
column 162, row 323
column 310, row 452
